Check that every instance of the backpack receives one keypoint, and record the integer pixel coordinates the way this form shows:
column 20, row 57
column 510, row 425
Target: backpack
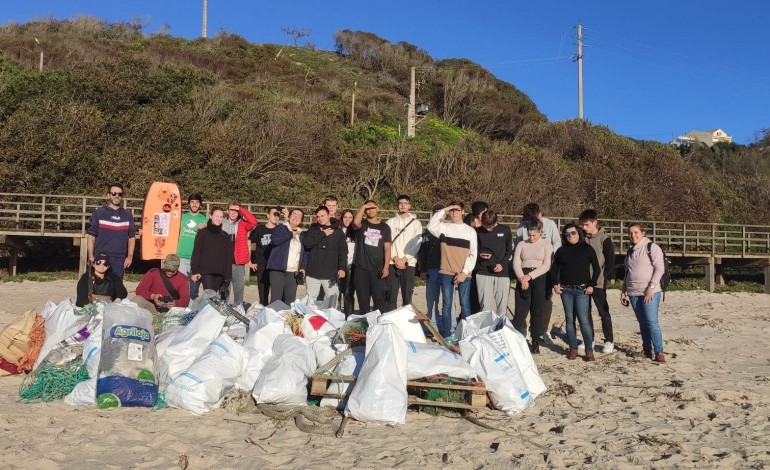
column 665, row 279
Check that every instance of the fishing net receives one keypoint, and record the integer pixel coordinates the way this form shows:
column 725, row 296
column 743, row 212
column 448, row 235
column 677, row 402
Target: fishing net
column 51, row 382
column 354, row 332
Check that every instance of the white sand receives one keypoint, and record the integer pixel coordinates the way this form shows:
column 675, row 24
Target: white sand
column 707, row 406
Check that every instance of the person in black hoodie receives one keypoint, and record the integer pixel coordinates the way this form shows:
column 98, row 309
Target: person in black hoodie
column 99, row 282
column 495, row 253
column 574, row 280
column 327, row 258
column 212, row 256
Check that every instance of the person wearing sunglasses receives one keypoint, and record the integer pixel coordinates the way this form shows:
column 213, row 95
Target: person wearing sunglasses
column 574, row 273
column 99, row 282
column 111, row 230
column 261, row 236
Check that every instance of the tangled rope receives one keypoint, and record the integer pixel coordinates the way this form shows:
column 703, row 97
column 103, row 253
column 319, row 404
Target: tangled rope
column 309, row 419
column 36, row 339
column 50, row 382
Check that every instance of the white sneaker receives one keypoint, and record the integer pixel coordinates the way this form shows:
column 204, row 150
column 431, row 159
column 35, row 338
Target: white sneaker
column 547, row 340
column 608, row 347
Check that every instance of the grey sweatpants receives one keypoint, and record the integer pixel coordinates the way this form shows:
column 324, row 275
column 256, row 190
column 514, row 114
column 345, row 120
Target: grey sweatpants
column 237, row 283
column 493, row 292
column 331, row 293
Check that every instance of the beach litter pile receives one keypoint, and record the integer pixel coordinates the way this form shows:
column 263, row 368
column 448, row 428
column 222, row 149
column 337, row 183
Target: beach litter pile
column 294, row 361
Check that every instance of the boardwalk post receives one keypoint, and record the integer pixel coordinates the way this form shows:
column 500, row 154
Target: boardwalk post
column 767, row 279
column 710, row 275
column 83, row 255
column 14, row 260
column 720, row 275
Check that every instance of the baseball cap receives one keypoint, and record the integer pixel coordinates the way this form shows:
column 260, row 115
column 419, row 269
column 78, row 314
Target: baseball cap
column 102, row 257
column 171, row 263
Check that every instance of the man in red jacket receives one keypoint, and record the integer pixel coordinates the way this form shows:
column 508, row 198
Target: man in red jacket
column 238, row 224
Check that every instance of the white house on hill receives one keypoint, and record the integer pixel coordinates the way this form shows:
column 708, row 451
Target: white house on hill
column 705, row 137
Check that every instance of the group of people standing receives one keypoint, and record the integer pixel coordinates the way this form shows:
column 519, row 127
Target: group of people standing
column 349, row 256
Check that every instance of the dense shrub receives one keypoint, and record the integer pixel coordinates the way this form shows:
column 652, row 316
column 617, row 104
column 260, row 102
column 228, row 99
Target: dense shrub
column 269, row 123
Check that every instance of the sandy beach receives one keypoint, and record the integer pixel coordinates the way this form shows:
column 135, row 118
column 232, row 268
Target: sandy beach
column 708, row 406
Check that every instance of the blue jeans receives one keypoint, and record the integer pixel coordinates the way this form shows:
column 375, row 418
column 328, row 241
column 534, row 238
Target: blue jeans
column 447, row 291
column 647, row 316
column 577, row 302
column 432, row 294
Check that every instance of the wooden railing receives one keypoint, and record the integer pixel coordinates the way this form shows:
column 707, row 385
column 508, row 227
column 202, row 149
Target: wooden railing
column 51, row 215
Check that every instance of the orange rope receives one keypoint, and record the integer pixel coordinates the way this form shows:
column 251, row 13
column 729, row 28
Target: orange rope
column 36, row 340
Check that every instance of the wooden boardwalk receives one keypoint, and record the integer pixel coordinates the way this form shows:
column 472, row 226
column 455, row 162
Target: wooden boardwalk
column 712, row 245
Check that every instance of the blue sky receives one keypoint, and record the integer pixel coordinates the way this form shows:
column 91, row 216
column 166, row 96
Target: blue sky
column 652, row 69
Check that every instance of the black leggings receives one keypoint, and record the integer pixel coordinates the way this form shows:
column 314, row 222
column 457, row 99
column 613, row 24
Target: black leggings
column 531, row 301
column 347, row 291
column 212, row 282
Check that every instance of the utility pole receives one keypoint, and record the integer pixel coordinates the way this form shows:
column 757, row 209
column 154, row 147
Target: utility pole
column 580, row 69
column 410, row 120
column 353, row 105
column 205, row 15
column 40, row 65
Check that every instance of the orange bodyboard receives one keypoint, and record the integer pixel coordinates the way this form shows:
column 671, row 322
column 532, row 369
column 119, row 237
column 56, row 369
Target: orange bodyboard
column 161, row 220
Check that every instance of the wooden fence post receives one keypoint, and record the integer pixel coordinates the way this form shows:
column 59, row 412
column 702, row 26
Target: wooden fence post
column 710, row 275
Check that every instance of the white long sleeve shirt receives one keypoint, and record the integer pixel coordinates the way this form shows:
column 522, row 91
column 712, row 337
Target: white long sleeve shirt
column 407, row 244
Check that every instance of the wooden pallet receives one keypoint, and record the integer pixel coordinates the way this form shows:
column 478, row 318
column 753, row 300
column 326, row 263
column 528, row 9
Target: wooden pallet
column 475, row 397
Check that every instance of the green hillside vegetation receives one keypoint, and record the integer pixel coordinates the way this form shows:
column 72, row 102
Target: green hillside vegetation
column 264, row 122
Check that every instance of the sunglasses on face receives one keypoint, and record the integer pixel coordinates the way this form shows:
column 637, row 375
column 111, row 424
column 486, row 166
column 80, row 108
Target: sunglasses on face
column 568, row 233
column 276, row 214
column 115, row 193
column 102, row 262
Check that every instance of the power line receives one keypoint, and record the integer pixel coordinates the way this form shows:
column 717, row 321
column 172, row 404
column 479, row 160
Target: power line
column 527, row 61
column 671, row 52
column 707, row 77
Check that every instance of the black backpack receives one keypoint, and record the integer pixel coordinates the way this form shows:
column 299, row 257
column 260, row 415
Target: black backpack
column 665, row 279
